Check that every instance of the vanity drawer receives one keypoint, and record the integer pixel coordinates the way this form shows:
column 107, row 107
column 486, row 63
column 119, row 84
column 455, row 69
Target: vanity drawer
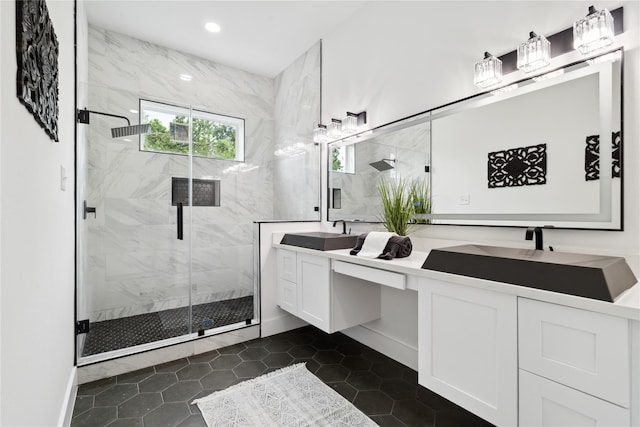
column 544, row 403
column 581, row 349
column 287, row 269
column 383, row 277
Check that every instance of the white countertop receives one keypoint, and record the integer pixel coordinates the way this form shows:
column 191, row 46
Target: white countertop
column 626, row 305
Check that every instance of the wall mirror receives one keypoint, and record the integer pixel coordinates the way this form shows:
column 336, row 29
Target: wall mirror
column 529, row 154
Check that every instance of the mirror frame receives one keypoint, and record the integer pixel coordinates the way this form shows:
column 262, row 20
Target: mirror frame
column 450, row 108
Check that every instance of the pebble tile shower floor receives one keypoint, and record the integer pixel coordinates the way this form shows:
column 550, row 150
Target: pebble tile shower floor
column 130, row 331
column 160, row 396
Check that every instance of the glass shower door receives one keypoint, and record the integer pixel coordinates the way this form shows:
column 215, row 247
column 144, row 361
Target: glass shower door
column 137, row 263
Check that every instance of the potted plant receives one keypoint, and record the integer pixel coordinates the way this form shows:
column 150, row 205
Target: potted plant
column 397, row 206
column 421, row 201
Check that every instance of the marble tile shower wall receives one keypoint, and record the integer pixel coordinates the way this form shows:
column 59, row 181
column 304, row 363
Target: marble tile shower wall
column 136, row 264
column 297, row 162
column 359, row 194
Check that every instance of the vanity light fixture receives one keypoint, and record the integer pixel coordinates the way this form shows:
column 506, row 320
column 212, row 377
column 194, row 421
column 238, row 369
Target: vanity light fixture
column 320, row 134
column 534, row 54
column 487, row 72
column 212, row 27
column 353, row 121
column 334, row 130
column 593, row 32
column 548, row 76
column 505, row 89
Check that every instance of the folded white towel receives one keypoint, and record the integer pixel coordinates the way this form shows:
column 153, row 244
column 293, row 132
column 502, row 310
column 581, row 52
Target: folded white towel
column 374, row 244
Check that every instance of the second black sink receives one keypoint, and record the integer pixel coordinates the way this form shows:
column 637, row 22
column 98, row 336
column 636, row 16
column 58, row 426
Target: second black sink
column 591, row 276
column 320, row 240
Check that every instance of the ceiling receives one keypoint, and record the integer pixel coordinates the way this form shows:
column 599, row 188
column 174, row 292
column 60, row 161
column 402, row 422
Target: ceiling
column 262, row 37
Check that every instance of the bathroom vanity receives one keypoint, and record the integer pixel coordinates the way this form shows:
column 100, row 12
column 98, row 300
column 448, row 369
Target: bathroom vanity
column 510, row 354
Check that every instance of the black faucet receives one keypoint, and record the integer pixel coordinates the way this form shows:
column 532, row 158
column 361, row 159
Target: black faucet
column 538, row 232
column 344, row 225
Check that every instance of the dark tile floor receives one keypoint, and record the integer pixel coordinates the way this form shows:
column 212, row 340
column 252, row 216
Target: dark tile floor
column 160, row 396
column 130, row 331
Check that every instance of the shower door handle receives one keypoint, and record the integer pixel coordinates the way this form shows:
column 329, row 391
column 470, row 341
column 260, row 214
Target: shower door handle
column 179, row 222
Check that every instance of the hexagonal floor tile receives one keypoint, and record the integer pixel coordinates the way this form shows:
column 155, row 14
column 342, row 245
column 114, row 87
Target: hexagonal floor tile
column 140, row 405
column 249, row 369
column 253, row 353
column 356, row 363
column 135, row 376
column 277, row 360
column 332, row 373
column 232, row 349
column 412, row 412
column 193, row 421
column 351, row 348
column 182, row 391
column 387, row 421
column 324, row 344
column 169, row 414
column 157, row 382
column 225, row 361
column 388, row 369
column 194, row 371
column 311, row 365
column 218, row 380
column 96, row 387
column 328, row 357
column 455, row 416
column 204, row 357
column 127, row 422
column 364, row 380
column 116, row 395
column 173, row 366
column 398, row 389
column 302, row 351
column 345, row 390
column 96, row 417
column 373, row 402
column 279, row 346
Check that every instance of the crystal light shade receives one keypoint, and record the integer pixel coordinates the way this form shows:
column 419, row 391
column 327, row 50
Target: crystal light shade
column 487, row 72
column 335, row 129
column 593, row 32
column 320, row 134
column 350, row 124
column 534, row 54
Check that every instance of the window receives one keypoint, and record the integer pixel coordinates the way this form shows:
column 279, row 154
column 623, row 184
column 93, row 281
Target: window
column 213, row 135
column 343, row 159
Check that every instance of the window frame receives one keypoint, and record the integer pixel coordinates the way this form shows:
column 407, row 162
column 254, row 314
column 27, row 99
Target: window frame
column 193, row 113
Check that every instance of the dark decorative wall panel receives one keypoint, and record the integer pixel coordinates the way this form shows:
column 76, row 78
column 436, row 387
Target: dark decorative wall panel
column 37, row 56
column 518, row 166
column 592, row 156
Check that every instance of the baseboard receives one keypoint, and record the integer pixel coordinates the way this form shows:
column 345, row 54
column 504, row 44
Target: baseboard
column 66, row 412
column 277, row 325
column 400, row 351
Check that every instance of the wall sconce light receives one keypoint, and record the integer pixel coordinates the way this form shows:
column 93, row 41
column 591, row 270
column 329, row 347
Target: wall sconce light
column 593, row 32
column 320, row 134
column 334, row 131
column 534, row 54
column 353, row 121
column 487, row 72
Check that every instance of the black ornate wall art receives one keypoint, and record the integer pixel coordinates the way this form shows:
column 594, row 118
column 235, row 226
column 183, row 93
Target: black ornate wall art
column 518, row 166
column 37, row 54
column 592, row 156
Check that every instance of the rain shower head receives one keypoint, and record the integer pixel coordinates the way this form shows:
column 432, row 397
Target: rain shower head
column 384, row 164
column 129, row 130
column 83, row 117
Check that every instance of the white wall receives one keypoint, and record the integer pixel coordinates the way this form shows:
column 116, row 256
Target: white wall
column 37, row 242
column 412, row 56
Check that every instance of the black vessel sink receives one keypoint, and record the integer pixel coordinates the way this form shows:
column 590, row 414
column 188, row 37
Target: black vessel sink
column 591, row 276
column 320, row 240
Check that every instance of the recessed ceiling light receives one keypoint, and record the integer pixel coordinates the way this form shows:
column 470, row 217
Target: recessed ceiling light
column 212, row 27
column 186, row 77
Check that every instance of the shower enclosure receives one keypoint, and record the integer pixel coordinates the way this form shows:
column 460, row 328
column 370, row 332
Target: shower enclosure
column 168, row 246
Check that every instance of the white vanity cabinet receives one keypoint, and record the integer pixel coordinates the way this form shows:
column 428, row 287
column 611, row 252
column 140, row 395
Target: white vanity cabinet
column 574, row 366
column 308, row 289
column 467, row 348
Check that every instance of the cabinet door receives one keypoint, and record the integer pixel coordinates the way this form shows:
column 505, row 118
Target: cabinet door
column 581, row 349
column 288, row 296
column 286, row 265
column 314, row 290
column 544, row 403
column 467, row 347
